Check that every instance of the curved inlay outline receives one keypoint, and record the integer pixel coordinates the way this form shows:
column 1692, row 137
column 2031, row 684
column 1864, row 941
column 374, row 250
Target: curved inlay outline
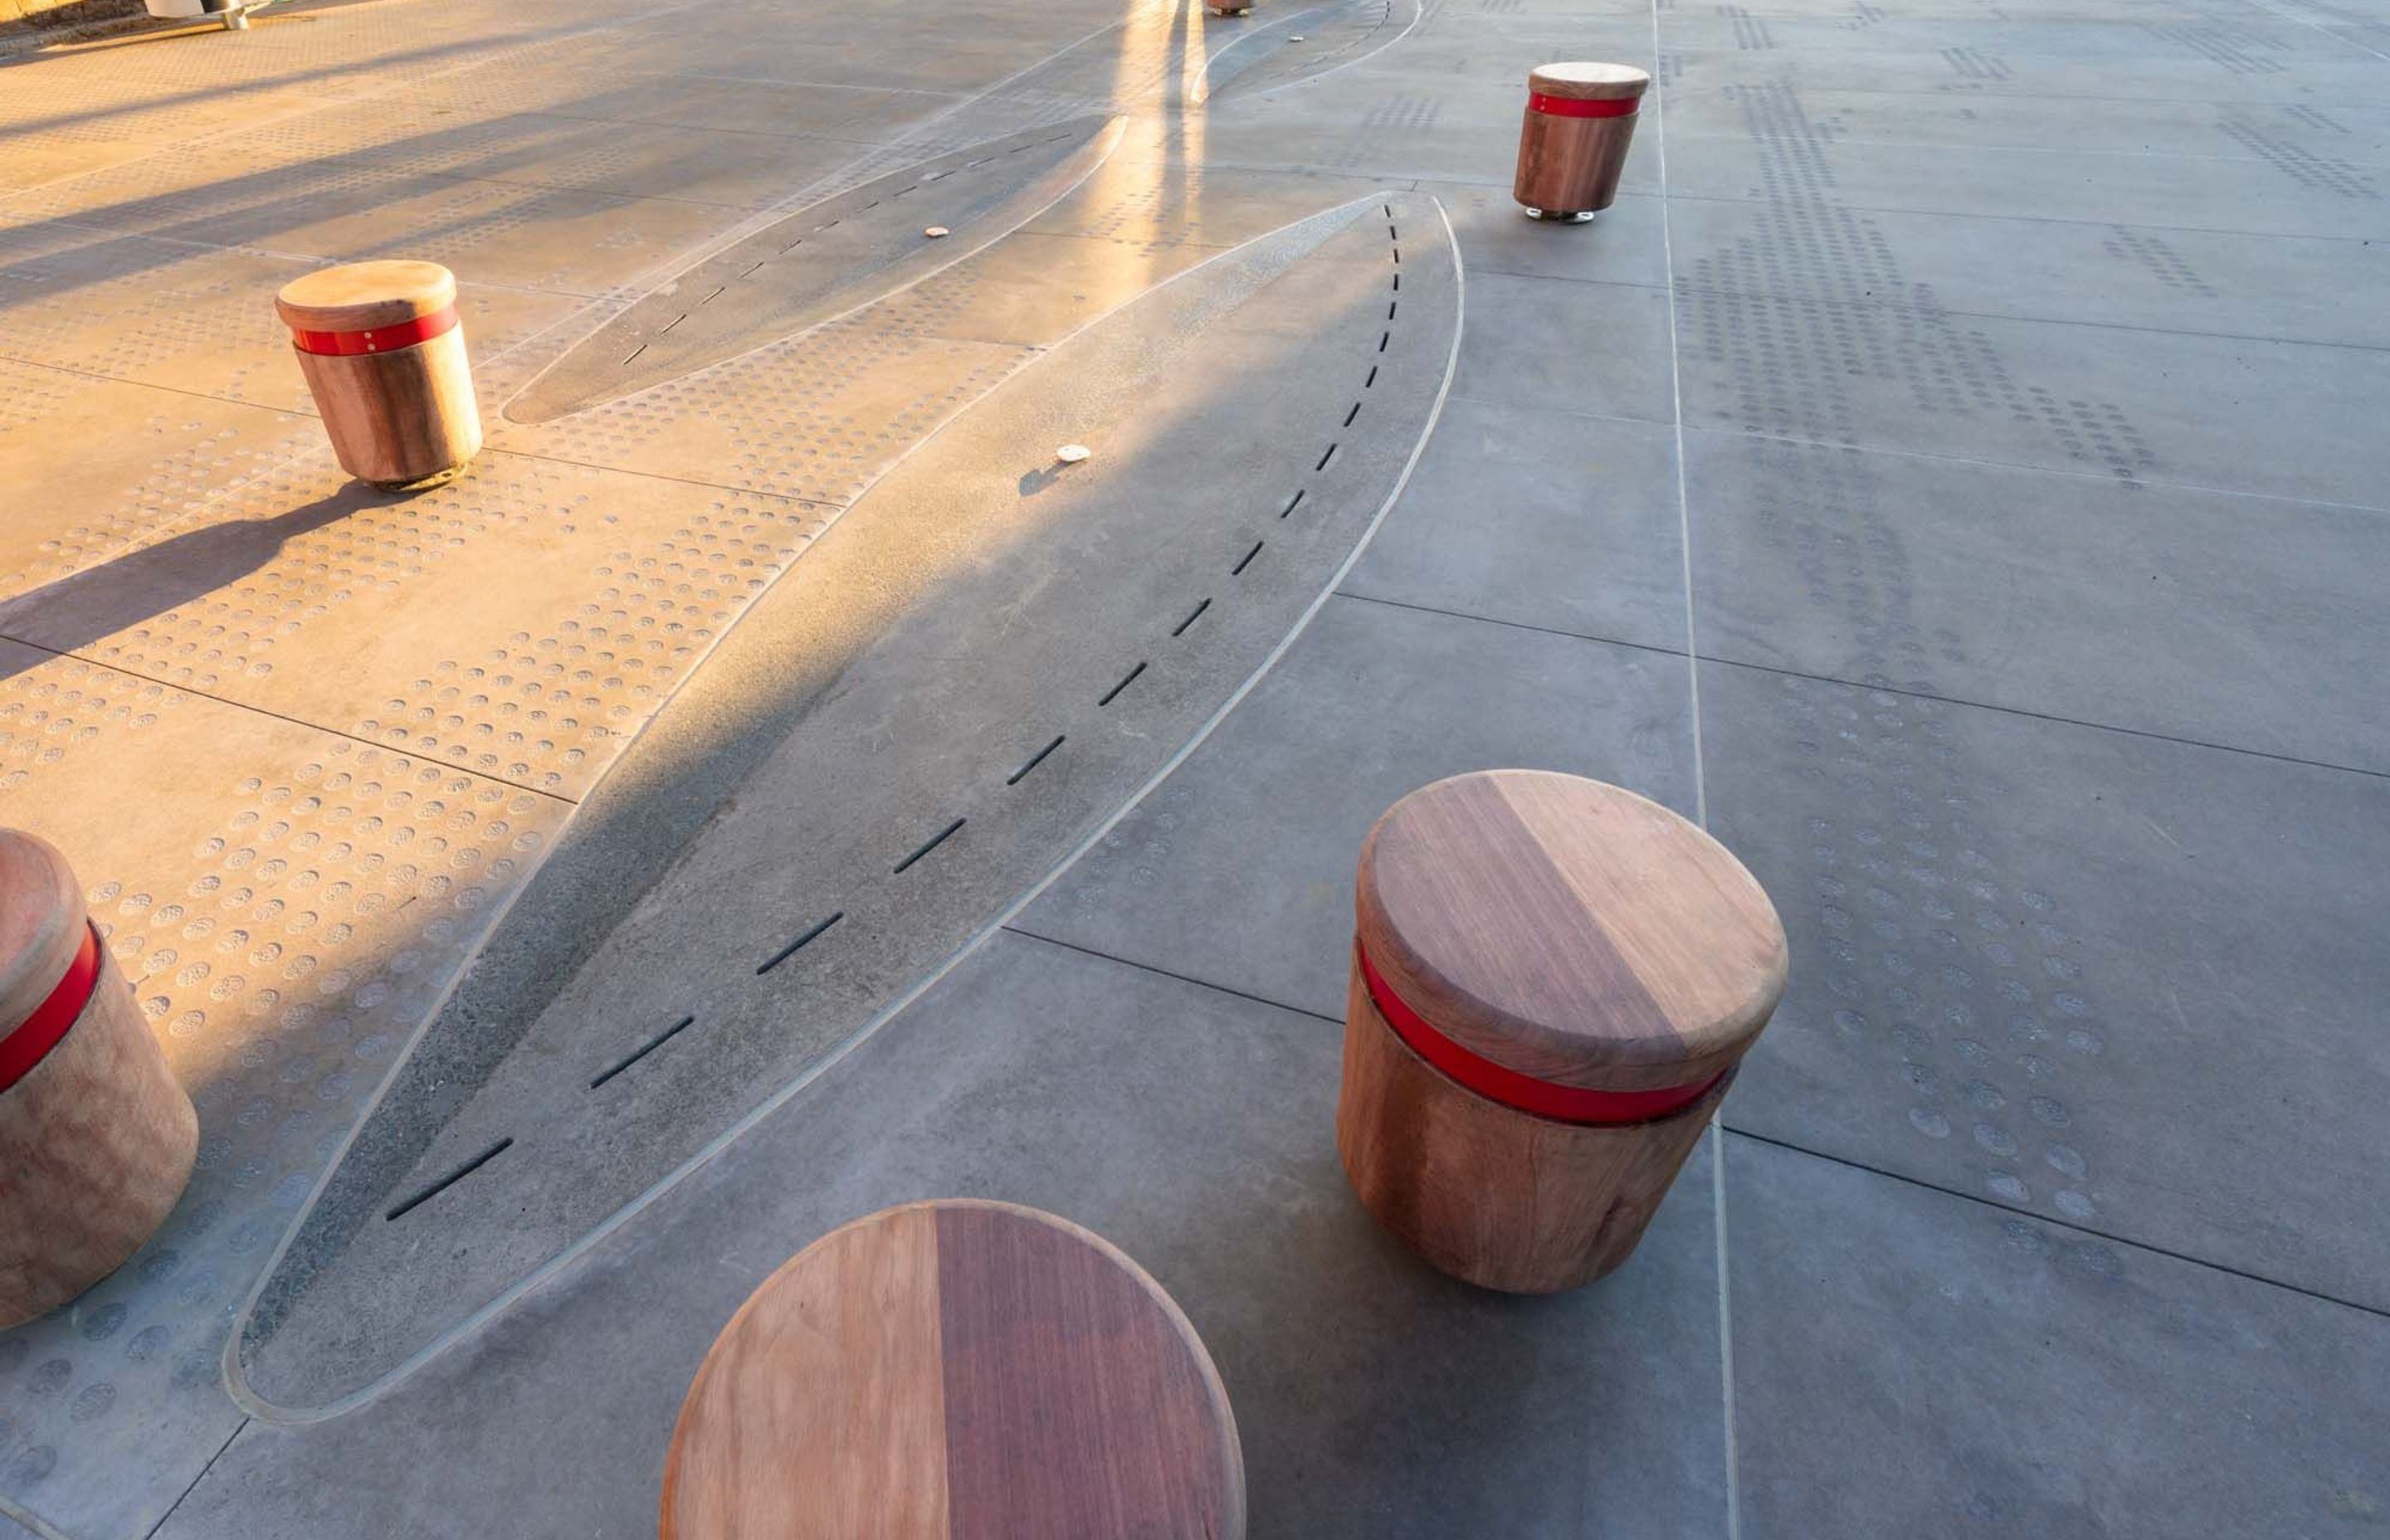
column 1252, row 420
column 822, row 262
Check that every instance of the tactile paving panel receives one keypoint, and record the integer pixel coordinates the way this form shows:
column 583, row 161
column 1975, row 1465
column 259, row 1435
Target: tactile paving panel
column 1014, row 647
column 286, row 917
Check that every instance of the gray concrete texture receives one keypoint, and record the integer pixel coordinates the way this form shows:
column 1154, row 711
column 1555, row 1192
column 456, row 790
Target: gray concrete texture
column 1950, row 470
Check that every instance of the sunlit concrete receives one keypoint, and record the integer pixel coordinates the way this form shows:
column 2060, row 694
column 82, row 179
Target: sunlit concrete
column 1951, row 471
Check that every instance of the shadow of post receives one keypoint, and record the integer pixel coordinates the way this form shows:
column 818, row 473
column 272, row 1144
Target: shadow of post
column 79, row 609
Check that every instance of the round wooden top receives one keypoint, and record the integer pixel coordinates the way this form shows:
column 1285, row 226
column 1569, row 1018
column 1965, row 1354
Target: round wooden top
column 1569, row 930
column 41, row 924
column 363, row 295
column 1588, row 81
column 949, row 1369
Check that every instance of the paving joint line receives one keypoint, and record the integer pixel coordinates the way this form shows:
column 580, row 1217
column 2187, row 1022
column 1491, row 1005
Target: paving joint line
column 281, row 716
column 1781, row 671
column 1928, row 1184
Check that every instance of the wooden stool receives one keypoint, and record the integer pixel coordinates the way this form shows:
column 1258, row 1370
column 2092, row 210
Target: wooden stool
column 1573, row 146
column 950, row 1369
column 385, row 361
column 97, row 1137
column 1552, row 980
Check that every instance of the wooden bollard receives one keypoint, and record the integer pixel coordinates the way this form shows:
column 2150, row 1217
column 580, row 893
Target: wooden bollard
column 1552, row 981
column 956, row 1369
column 97, row 1137
column 1572, row 145
column 384, row 358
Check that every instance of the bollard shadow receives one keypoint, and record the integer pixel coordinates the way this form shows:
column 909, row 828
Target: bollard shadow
column 100, row 601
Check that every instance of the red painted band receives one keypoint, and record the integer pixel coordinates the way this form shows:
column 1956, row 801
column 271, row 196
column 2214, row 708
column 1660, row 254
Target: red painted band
column 1570, row 107
column 1500, row 1083
column 348, row 344
column 39, row 1033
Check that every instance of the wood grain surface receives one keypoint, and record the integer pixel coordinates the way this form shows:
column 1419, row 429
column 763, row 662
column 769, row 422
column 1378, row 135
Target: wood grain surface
column 1500, row 1197
column 1572, row 165
column 398, row 418
column 360, row 295
column 96, row 1140
column 955, row 1369
column 1570, row 930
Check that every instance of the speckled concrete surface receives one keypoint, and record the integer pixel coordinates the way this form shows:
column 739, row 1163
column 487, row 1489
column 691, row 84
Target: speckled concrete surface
column 1949, row 470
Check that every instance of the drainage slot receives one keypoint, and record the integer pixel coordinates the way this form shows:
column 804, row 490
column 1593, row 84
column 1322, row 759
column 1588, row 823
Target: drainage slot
column 1384, row 338
column 1127, row 680
column 1390, row 308
column 1330, row 454
column 436, row 1188
column 1398, row 283
column 1297, row 501
column 1392, row 234
column 1238, row 570
column 636, row 352
column 1197, row 613
column 785, row 953
column 1351, row 415
column 1373, row 378
column 650, row 1045
column 716, row 295
column 936, row 840
column 684, row 316
column 1035, row 761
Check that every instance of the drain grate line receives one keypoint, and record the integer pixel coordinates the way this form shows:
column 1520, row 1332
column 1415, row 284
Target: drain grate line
column 436, row 1188
column 785, row 953
column 1330, row 456
column 1195, row 614
column 636, row 352
column 936, row 840
column 1238, row 570
column 1372, row 379
column 1297, row 501
column 1127, row 680
column 1035, row 761
column 650, row 1045
column 1351, row 415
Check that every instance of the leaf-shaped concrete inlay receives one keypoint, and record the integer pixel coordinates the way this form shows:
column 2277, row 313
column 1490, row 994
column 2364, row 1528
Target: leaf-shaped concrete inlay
column 992, row 657
column 822, row 262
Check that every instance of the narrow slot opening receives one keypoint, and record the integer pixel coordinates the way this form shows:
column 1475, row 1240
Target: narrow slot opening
column 812, row 934
column 650, row 1045
column 1385, row 339
column 436, row 1188
column 1297, row 501
column 1127, row 679
column 636, row 352
column 1392, row 305
column 1351, row 415
column 1035, row 761
column 1193, row 616
column 1373, row 378
column 936, row 840
column 1398, row 283
column 716, row 295
column 1238, row 570
column 1325, row 458
column 682, row 315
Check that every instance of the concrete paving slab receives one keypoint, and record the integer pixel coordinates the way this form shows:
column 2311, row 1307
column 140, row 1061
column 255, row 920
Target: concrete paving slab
column 1204, row 1149
column 1539, row 518
column 1626, row 245
column 2054, row 595
column 2273, row 286
column 2278, row 418
column 2287, row 192
column 1594, row 349
column 2078, row 1387
column 1109, row 623
column 1960, row 120
column 1973, row 72
column 1143, row 201
column 1239, row 869
column 148, row 459
column 2063, row 968
column 297, row 899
